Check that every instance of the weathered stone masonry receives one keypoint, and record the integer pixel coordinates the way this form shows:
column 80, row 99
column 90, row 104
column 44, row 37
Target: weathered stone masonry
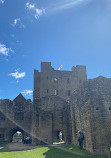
column 91, row 105
column 62, row 101
column 63, row 83
column 14, row 116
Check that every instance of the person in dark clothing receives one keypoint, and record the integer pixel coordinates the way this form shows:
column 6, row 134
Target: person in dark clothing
column 80, row 140
column 27, row 140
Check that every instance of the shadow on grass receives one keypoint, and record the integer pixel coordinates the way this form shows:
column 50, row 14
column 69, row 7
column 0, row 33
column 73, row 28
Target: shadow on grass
column 64, row 151
column 69, row 151
column 3, row 148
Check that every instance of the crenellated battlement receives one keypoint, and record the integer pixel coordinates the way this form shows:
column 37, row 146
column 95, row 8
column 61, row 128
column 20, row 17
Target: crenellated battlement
column 55, row 82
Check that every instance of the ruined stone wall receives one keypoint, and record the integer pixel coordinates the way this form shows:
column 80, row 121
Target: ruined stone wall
column 53, row 116
column 17, row 115
column 79, row 104
column 91, row 106
column 62, row 83
column 80, row 120
column 100, row 92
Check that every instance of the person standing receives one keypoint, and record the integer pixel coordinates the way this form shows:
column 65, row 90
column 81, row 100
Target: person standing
column 60, row 136
column 80, row 140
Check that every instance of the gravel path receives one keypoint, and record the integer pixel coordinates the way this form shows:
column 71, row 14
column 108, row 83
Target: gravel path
column 20, row 146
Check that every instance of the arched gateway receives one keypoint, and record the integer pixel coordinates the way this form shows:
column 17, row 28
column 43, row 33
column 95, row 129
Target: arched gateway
column 40, row 119
column 15, row 116
column 14, row 131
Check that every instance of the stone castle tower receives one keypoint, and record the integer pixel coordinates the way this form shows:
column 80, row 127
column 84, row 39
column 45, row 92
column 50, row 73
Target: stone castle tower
column 54, row 82
column 86, row 103
column 62, row 101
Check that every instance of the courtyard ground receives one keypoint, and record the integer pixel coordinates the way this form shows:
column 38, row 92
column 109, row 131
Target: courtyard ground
column 19, row 150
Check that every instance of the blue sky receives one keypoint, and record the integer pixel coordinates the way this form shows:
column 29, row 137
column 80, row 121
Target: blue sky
column 66, row 32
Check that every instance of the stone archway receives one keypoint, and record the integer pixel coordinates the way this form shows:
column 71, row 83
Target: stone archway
column 13, row 131
column 58, row 137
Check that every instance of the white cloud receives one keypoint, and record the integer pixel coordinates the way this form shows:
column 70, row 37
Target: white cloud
column 39, row 12
column 18, row 75
column 36, row 11
column 2, row 1
column 4, row 50
column 27, row 92
column 17, row 22
column 30, row 6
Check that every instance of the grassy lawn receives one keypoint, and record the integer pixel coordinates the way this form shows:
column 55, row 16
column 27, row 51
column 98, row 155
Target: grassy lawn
column 66, row 151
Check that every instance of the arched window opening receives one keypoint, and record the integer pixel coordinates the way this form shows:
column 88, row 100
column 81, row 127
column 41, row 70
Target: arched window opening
column 17, row 137
column 55, row 79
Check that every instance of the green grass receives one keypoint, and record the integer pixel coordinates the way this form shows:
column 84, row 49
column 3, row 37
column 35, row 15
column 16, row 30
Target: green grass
column 56, row 140
column 66, row 151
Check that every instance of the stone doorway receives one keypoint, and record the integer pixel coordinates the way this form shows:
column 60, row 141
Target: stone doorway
column 58, row 137
column 16, row 135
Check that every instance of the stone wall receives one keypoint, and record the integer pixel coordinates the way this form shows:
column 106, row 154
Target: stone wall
column 62, row 83
column 91, row 107
column 53, row 116
column 77, row 104
column 17, row 116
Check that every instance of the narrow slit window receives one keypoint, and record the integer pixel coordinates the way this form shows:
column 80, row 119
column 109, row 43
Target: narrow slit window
column 56, row 92
column 69, row 92
column 68, row 80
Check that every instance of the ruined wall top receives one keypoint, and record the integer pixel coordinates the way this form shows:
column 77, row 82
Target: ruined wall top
column 57, row 82
column 46, row 66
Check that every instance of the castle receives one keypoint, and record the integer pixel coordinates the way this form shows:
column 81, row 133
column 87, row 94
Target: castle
column 62, row 101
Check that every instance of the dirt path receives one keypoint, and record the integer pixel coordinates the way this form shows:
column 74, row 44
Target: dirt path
column 20, row 146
